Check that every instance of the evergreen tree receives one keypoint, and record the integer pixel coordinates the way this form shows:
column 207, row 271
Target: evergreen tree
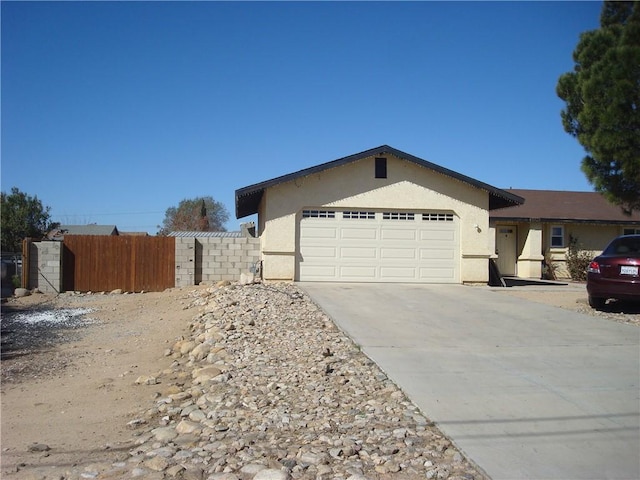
column 602, row 96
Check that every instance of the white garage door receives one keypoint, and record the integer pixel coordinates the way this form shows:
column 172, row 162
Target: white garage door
column 378, row 246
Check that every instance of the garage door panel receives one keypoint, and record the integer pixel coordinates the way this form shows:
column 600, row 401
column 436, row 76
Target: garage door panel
column 408, row 234
column 398, row 253
column 359, row 233
column 437, row 235
column 313, row 251
column 348, row 253
column 358, row 272
column 379, row 247
column 397, row 273
column 320, row 232
column 322, row 272
column 437, row 254
column 437, row 273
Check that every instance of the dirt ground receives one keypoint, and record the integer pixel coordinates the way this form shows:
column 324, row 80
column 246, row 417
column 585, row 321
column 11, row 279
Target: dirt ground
column 573, row 296
column 75, row 395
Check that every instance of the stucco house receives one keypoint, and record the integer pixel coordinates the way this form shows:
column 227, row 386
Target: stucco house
column 546, row 222
column 381, row 215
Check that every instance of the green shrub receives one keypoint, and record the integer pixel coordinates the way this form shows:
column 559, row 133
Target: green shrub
column 16, row 281
column 578, row 260
column 549, row 267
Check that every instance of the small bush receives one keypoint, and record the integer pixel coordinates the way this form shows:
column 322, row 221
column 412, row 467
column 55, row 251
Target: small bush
column 549, row 267
column 16, row 281
column 578, row 260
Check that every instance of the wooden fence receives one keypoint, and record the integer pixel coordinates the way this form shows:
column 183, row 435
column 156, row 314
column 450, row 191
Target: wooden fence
column 99, row 263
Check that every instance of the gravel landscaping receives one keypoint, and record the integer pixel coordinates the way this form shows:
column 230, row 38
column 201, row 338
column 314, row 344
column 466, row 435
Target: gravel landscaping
column 258, row 384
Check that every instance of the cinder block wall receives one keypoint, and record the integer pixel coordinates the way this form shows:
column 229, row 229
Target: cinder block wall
column 45, row 271
column 211, row 259
column 185, row 261
column 197, row 259
column 226, row 258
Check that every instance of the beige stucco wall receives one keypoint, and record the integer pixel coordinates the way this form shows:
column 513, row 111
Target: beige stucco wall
column 592, row 238
column 407, row 186
column 530, row 256
column 534, row 239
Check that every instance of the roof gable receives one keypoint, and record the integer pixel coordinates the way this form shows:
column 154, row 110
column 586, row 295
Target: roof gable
column 248, row 198
column 563, row 206
column 58, row 233
column 91, row 229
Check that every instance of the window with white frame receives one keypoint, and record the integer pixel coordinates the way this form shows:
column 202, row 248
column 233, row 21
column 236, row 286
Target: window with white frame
column 557, row 236
column 631, row 231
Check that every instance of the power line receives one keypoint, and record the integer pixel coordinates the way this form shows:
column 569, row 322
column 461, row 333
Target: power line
column 102, row 214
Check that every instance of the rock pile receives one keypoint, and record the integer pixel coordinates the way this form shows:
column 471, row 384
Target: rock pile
column 267, row 387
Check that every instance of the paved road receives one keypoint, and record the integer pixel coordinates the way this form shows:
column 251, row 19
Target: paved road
column 525, row 390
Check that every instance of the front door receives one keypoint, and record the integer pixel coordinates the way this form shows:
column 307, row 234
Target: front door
column 506, row 249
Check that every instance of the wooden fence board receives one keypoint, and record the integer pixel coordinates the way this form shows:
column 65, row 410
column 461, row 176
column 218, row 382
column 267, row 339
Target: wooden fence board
column 103, row 263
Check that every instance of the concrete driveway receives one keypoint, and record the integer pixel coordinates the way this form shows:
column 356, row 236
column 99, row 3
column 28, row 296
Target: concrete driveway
column 525, row 390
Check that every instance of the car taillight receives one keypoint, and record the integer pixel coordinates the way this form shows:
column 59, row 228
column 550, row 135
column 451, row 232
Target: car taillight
column 594, row 267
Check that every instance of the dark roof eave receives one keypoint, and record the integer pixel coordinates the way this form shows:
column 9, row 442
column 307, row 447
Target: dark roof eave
column 498, row 201
column 247, row 203
column 564, row 220
column 248, row 198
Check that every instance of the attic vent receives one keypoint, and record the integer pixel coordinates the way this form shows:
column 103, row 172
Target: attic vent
column 398, row 216
column 381, row 167
column 318, row 214
column 437, row 217
column 359, row 215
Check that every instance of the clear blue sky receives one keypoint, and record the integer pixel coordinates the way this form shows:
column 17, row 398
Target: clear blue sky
column 114, row 112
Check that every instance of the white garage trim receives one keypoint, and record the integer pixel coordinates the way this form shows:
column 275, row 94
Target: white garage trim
column 378, row 246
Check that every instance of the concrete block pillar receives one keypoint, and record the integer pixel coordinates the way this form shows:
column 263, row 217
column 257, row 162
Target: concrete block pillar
column 45, row 265
column 185, row 261
column 530, row 260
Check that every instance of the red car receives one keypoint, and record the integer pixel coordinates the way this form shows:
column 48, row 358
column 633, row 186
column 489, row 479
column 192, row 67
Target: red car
column 616, row 272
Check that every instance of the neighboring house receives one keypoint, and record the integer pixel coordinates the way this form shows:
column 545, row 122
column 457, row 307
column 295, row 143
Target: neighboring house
column 547, row 221
column 381, row 215
column 92, row 229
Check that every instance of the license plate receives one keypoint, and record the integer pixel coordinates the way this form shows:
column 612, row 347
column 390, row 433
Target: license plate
column 626, row 270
